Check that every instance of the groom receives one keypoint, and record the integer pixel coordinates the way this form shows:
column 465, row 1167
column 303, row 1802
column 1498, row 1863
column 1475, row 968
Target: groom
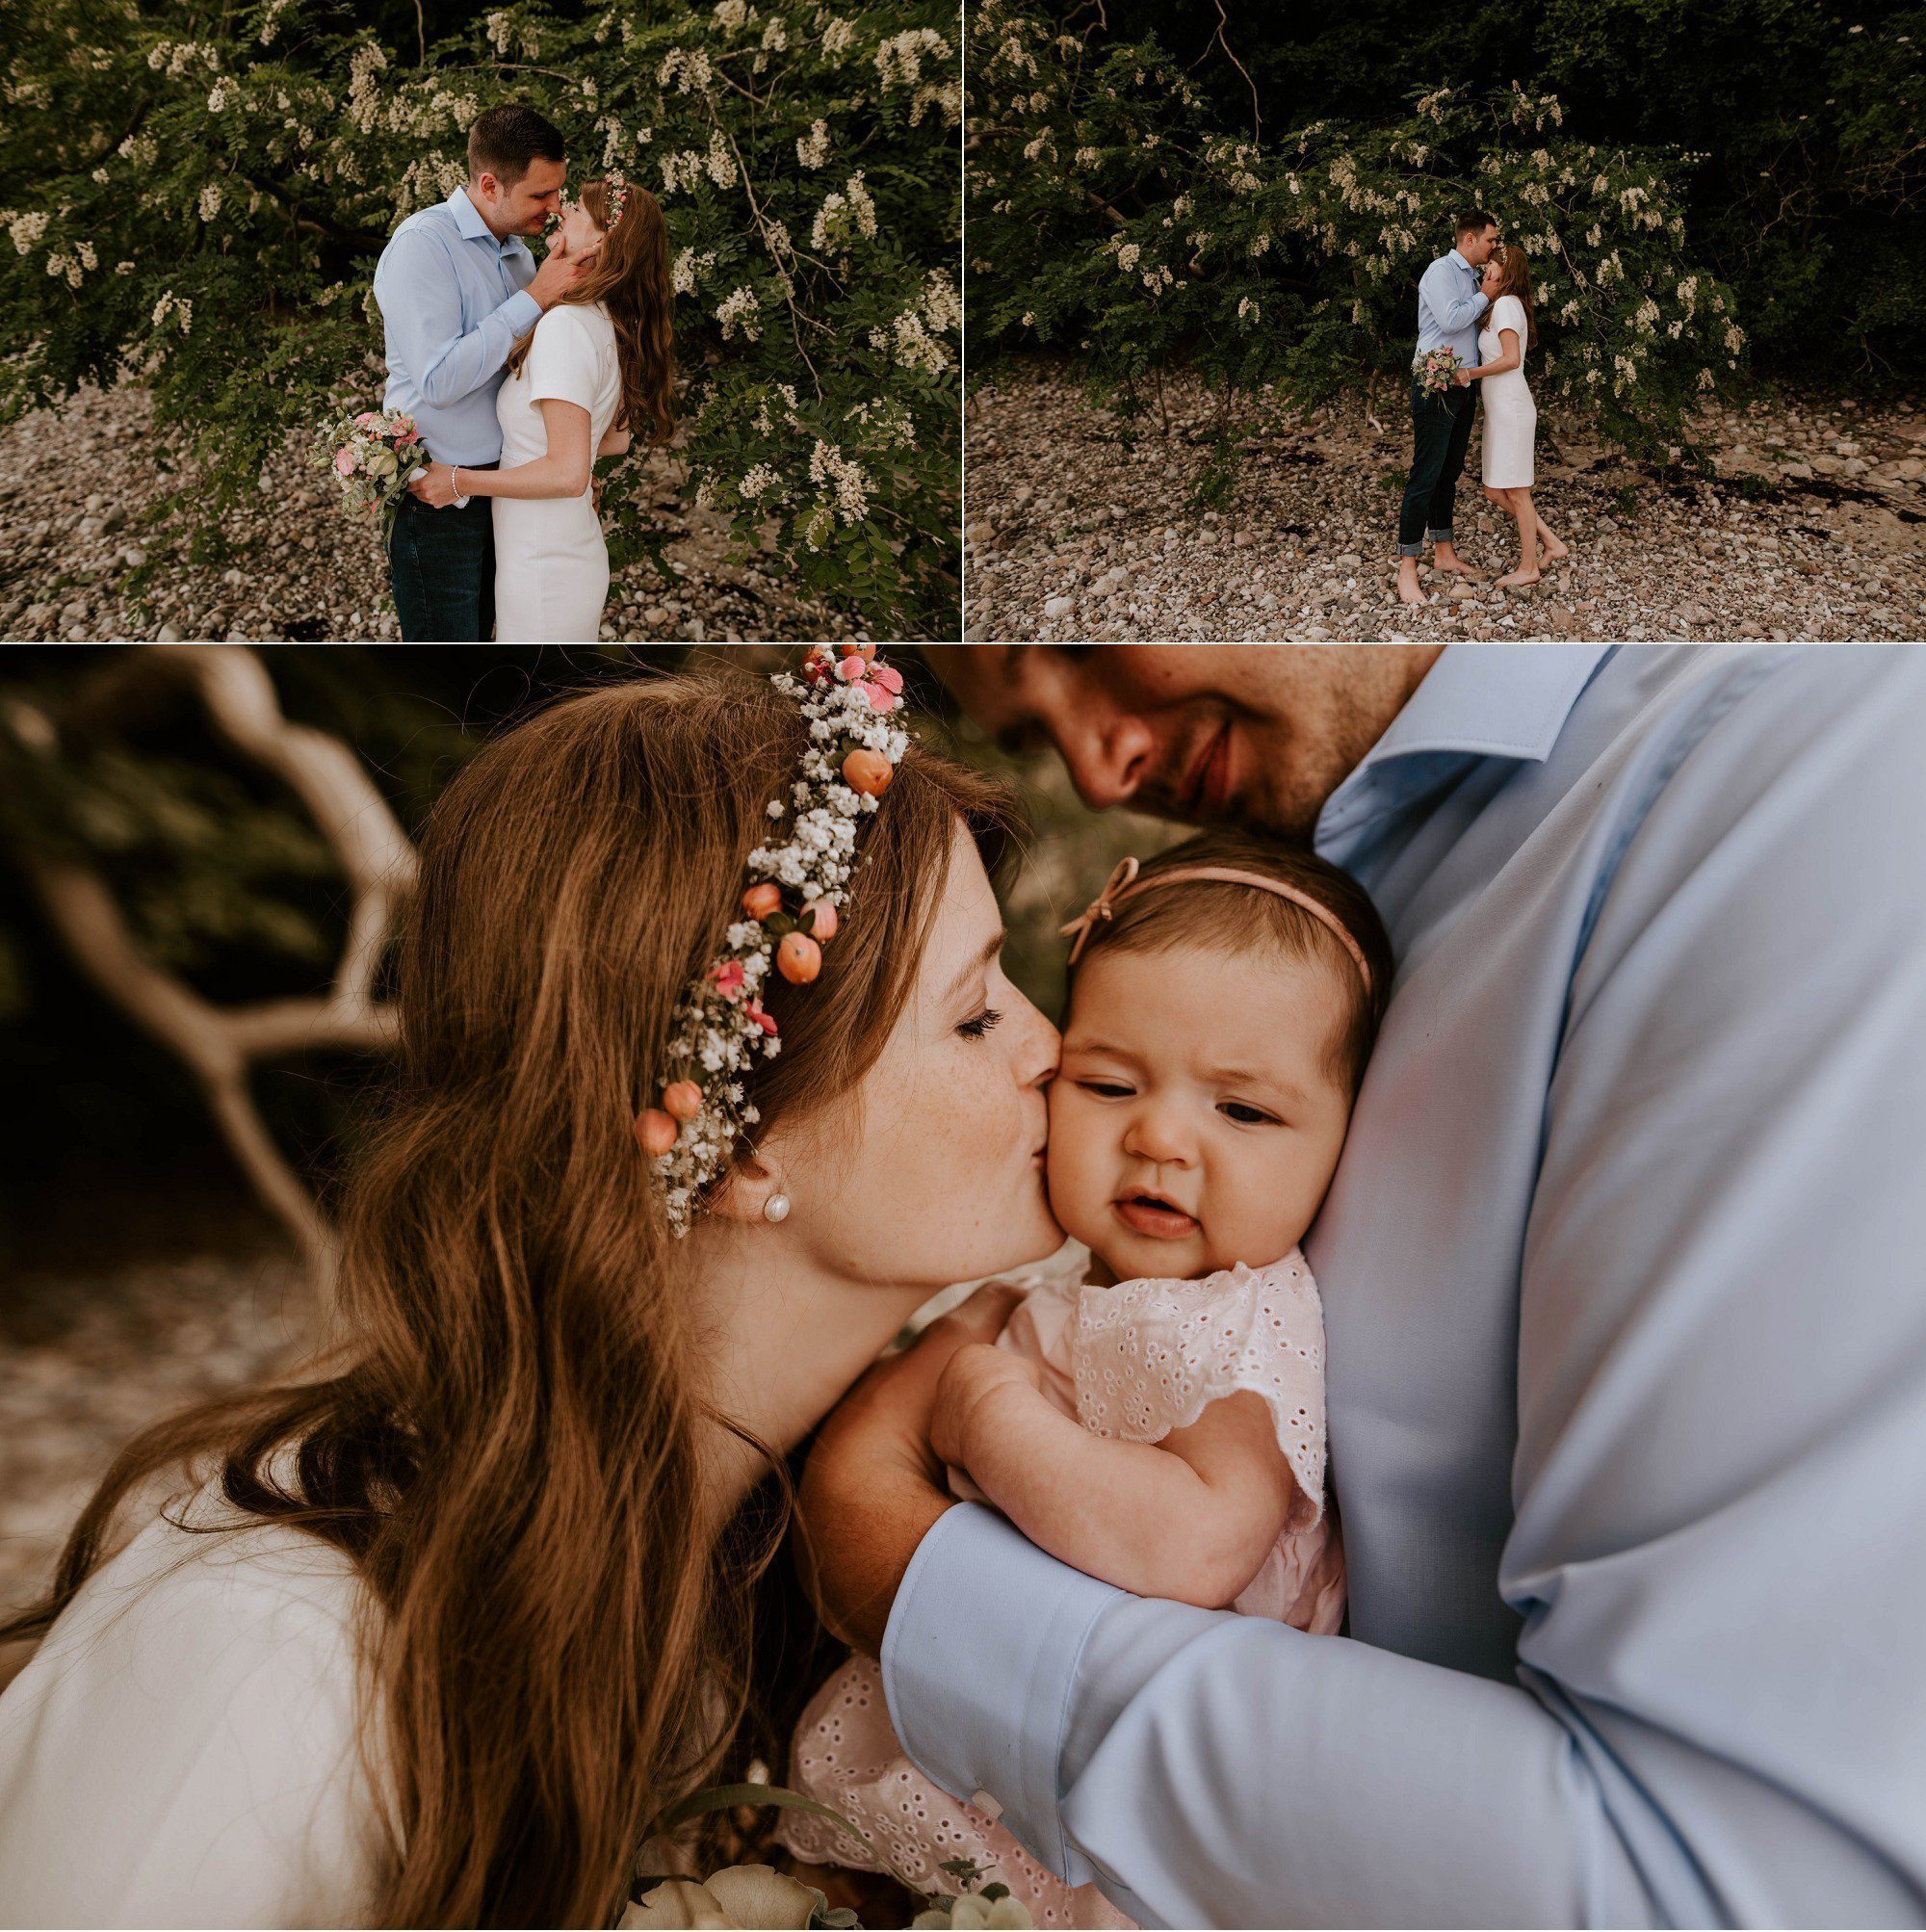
column 457, row 288
column 1450, row 303
column 1621, row 1277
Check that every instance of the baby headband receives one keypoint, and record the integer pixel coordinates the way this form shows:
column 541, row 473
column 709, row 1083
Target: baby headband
column 1124, row 883
column 721, row 1026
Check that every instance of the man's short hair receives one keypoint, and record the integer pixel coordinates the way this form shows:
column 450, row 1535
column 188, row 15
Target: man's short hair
column 1473, row 221
column 505, row 141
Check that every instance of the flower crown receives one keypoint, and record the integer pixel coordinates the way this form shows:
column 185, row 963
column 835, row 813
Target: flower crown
column 615, row 193
column 721, row 1026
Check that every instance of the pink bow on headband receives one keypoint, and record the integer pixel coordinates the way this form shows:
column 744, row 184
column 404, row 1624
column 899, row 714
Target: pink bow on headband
column 1122, row 883
column 1099, row 911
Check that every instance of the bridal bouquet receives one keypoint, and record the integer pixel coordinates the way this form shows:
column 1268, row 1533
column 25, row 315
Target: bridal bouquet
column 374, row 455
column 1438, row 371
column 751, row 1895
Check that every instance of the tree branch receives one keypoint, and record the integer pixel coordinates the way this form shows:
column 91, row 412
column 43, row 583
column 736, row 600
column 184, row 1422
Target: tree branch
column 324, row 224
column 218, row 1045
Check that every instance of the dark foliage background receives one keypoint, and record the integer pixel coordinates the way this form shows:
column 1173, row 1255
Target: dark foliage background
column 1810, row 115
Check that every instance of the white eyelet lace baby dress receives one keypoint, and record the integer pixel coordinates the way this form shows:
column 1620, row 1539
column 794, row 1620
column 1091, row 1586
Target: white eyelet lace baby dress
column 1132, row 1362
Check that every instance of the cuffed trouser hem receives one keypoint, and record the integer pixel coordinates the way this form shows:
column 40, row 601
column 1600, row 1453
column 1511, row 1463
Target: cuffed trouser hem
column 1411, row 550
column 1440, row 536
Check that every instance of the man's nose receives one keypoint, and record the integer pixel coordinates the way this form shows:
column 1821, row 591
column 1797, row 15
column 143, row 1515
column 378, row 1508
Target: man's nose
column 1110, row 755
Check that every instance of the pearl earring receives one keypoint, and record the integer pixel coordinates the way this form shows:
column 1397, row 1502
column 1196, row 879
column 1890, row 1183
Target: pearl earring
column 777, row 1208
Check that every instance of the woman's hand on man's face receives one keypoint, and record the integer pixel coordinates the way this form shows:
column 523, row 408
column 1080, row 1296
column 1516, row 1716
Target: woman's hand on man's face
column 872, row 1487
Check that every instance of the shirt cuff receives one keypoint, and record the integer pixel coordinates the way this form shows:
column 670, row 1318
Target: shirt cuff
column 521, row 311
column 979, row 1663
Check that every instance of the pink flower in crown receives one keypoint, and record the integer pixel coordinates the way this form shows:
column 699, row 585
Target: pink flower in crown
column 754, row 1010
column 883, row 687
column 344, row 462
column 728, row 977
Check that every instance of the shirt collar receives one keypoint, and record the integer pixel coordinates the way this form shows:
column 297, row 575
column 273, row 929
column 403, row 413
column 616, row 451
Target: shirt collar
column 1452, row 255
column 471, row 227
column 1475, row 702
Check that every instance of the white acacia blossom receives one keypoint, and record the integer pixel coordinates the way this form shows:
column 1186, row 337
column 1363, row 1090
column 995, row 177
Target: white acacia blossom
column 740, row 309
column 811, row 149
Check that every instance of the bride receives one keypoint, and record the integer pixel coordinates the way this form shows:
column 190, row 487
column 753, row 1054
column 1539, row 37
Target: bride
column 597, row 368
column 1511, row 416
column 428, row 1636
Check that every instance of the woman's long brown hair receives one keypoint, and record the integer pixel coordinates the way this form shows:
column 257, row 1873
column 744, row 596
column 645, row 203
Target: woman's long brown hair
column 511, row 1447
column 1515, row 278
column 631, row 279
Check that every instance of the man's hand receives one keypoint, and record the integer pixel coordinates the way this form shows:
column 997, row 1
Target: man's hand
column 559, row 273
column 872, row 1487
column 977, row 1379
column 434, row 486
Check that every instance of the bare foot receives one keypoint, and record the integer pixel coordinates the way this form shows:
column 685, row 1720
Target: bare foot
column 1456, row 566
column 1513, row 579
column 1552, row 549
column 1407, row 591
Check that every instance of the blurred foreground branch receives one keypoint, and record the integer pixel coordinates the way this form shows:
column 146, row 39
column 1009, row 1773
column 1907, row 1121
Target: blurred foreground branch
column 218, row 1045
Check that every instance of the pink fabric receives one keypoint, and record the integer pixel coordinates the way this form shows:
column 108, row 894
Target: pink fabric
column 1133, row 1362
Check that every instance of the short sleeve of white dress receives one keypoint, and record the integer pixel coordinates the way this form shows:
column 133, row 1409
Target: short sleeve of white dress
column 565, row 360
column 1508, row 312
column 1151, row 1356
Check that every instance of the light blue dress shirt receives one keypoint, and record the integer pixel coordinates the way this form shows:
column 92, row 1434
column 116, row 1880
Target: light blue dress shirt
column 1450, row 303
column 1624, row 1278
column 453, row 303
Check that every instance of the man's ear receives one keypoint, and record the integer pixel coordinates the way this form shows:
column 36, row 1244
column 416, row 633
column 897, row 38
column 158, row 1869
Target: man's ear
column 747, row 1189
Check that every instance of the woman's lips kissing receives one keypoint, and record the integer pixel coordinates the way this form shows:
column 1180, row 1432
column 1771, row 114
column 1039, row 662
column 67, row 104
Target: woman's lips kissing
column 1150, row 1214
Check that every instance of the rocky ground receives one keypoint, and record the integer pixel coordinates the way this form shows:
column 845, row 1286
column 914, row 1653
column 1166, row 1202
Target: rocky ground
column 1079, row 527
column 94, row 538
column 91, row 1353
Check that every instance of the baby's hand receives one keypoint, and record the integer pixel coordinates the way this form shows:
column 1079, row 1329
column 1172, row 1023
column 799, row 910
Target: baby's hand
column 975, row 1383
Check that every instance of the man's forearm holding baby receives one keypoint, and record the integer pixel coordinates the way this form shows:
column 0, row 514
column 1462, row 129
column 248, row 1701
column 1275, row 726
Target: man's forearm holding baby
column 1191, row 1518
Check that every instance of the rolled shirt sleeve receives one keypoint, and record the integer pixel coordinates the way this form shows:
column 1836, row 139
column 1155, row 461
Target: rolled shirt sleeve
column 1716, row 1552
column 421, row 310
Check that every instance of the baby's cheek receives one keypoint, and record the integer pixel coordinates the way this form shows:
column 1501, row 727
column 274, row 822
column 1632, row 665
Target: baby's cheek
column 1076, row 1167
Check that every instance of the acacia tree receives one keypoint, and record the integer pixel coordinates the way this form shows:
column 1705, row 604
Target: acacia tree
column 1109, row 211
column 200, row 192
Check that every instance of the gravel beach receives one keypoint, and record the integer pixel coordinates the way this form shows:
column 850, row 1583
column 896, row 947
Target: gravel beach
column 88, row 1356
column 1079, row 526
column 93, row 546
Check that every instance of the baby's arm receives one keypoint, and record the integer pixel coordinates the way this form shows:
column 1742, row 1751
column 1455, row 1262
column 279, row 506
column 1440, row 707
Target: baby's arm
column 1191, row 1518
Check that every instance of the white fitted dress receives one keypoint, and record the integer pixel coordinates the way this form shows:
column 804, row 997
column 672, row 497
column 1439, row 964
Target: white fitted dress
column 551, row 563
column 1511, row 416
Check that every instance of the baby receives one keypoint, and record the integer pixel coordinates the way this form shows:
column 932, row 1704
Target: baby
column 1157, row 1421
